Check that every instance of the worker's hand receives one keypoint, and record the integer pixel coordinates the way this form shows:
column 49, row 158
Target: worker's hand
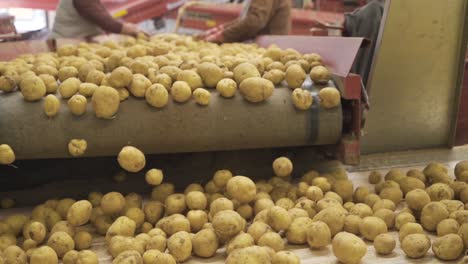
column 209, row 32
column 216, row 37
column 132, row 29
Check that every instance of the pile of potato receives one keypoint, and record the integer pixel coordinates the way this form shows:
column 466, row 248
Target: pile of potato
column 252, row 221
column 157, row 69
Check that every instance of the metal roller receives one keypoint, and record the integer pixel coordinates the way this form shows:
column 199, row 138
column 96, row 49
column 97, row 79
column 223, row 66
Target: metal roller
column 226, row 124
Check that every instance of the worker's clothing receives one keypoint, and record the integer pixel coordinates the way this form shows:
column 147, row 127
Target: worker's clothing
column 270, row 17
column 83, row 18
column 364, row 22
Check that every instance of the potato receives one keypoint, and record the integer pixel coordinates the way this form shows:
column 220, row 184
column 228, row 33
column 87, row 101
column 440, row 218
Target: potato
column 244, row 71
column 318, row 234
column 403, row 218
column 415, row 245
column 15, row 223
column 161, row 191
column 256, row 89
column 408, row 184
column 7, row 240
column 448, row 247
column 49, row 81
column 119, row 244
column 82, row 240
column 122, row 226
column 348, row 248
column 120, row 77
column 14, row 254
column 295, row 76
column 102, row 224
column 175, row 204
column 371, row 227
column 272, row 240
column 146, row 227
column 242, row 240
column 46, row 69
column 180, row 246
column 105, row 102
column 302, row 99
column 137, row 215
column 384, row 244
column 285, row 257
column 297, row 231
column 191, row 78
column 131, row 159
column 393, row 194
column 157, row 96
column 361, row 210
column 322, row 183
column 227, row 224
column 205, row 243
column 61, row 242
column 226, row 87
column 278, row 218
column 440, row 191
column 447, row 226
column 210, row 73
column 7, row 156
column 156, row 243
column 202, row 96
column 154, row 257
column 85, row 257
column 63, row 226
column 253, row 254
column 329, row 97
column 320, row 74
column 112, row 203
column 375, row 177
column 360, row 194
column 163, row 79
column 77, row 147
column 181, row 92
column 139, row 85
column 87, row 89
column 196, row 200
column 32, row 88
column 35, row 231
column 242, row 189
column 194, row 187
column 8, row 84
column 351, row 224
column 432, row 214
column 127, row 257
column 139, row 67
column 154, row 177
column 410, row 228
column 282, row 167
column 157, row 232
column 388, row 216
column 285, row 203
column 417, row 199
column 43, row 255
column 174, row 223
column 276, row 76
column 384, row 203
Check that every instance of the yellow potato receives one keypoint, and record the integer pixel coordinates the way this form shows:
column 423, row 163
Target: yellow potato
column 157, row 96
column 49, row 81
column 32, row 88
column 276, row 76
column 175, row 204
column 35, row 231
column 242, row 189
column 384, row 244
column 226, row 87
column 432, row 214
column 128, row 256
column 112, row 203
column 139, row 85
column 87, row 89
column 295, row 76
column 348, row 248
column 120, row 77
column 43, row 255
column 282, row 167
column 242, row 240
column 320, row 74
column 77, row 147
column 8, row 84
column 105, row 102
column 329, row 97
column 197, row 219
column 7, row 156
column 180, row 246
column 245, row 70
column 272, row 240
column 67, row 72
column 154, row 177
column 131, row 159
column 77, row 104
column 318, row 234
column 278, row 218
column 202, row 96
column 191, row 78
column 61, row 242
column 302, row 99
column 416, row 245
column 181, row 92
column 82, row 240
column 123, row 226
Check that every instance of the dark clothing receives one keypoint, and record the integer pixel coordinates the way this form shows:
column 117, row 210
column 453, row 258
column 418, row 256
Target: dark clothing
column 270, row 17
column 364, row 22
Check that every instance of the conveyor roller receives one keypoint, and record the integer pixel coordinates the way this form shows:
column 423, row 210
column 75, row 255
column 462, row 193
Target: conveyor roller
column 226, row 124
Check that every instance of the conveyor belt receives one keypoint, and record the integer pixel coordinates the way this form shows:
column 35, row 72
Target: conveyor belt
column 226, row 124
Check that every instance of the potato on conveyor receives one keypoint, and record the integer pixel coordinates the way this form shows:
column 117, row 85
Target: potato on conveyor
column 295, row 76
column 348, row 248
column 106, row 101
column 320, row 74
column 226, row 87
column 43, row 255
column 49, row 81
column 77, row 104
column 416, row 245
column 276, row 76
column 7, row 84
column 120, row 77
column 202, row 96
column 210, row 73
column 181, row 92
column 7, row 156
column 32, row 88
column 329, row 97
column 138, row 85
column 302, row 99
column 384, row 244
column 77, row 147
column 244, row 71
